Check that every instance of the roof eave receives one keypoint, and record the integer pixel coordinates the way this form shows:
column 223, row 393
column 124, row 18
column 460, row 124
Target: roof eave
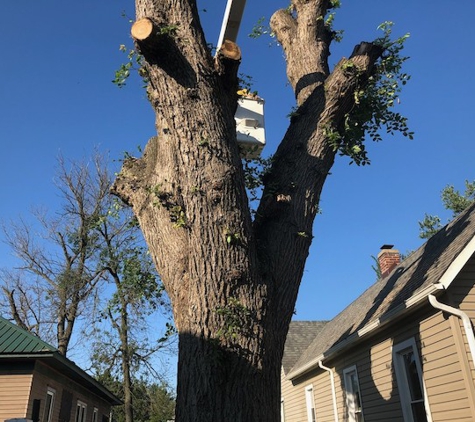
column 113, row 399
column 398, row 312
column 63, row 361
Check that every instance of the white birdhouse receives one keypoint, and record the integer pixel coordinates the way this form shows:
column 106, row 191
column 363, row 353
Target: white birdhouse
column 250, row 125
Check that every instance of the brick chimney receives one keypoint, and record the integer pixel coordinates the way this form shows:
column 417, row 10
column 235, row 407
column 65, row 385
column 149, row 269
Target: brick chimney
column 388, row 259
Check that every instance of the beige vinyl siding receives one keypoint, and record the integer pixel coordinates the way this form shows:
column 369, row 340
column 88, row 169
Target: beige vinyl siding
column 442, row 375
column 322, row 391
column 39, row 390
column 294, row 399
column 447, row 366
column 14, row 395
column 463, row 289
column 462, row 295
column 442, row 370
column 379, row 397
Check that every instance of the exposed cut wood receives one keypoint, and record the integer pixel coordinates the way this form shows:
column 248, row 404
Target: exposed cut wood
column 142, row 29
column 230, row 50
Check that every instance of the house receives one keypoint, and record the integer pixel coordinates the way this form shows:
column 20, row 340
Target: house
column 403, row 351
column 37, row 383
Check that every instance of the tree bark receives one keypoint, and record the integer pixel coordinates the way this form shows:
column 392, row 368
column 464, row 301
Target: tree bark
column 233, row 282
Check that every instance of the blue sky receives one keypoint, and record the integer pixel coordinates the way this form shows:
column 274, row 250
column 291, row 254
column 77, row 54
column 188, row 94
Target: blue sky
column 59, row 57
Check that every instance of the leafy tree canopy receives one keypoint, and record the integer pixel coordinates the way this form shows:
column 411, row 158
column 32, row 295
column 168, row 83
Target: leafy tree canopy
column 452, row 200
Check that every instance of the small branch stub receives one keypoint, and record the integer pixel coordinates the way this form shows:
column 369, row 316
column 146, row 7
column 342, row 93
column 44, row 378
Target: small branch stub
column 227, row 63
column 230, row 50
column 143, row 29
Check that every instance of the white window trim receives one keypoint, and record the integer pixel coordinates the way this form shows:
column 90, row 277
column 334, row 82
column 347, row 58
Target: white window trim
column 402, row 382
column 95, row 414
column 282, row 410
column 50, row 392
column 83, row 405
column 350, row 401
column 310, row 402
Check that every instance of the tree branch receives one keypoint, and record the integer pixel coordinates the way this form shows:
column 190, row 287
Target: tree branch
column 301, row 164
column 285, row 27
column 306, row 42
column 347, row 75
column 14, row 309
column 227, row 63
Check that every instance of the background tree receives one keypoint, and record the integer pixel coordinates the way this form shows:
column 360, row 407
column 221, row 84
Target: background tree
column 162, row 404
column 124, row 349
column 232, row 280
column 153, row 402
column 62, row 276
column 452, row 200
column 59, row 267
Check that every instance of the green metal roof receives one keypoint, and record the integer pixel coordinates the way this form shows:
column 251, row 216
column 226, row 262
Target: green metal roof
column 19, row 344
column 13, row 339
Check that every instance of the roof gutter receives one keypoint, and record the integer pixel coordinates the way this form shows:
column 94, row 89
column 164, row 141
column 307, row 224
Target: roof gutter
column 27, row 355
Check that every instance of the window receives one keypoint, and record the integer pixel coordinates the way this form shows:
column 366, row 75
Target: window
column 94, row 414
column 353, row 395
column 81, row 412
column 35, row 411
column 311, row 417
column 49, row 405
column 409, row 380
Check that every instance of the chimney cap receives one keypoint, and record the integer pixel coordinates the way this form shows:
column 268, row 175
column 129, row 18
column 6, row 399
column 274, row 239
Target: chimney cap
column 387, row 247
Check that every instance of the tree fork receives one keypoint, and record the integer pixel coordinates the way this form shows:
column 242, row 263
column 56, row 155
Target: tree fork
column 261, row 265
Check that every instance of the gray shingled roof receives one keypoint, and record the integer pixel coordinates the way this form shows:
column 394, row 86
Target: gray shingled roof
column 15, row 340
column 299, row 337
column 422, row 268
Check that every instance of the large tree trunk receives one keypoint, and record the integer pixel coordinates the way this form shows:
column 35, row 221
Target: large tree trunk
column 233, row 283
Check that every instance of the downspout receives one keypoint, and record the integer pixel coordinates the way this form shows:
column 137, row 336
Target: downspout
column 332, row 380
column 467, row 324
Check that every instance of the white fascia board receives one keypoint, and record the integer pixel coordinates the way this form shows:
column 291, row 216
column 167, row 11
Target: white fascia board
column 457, row 264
